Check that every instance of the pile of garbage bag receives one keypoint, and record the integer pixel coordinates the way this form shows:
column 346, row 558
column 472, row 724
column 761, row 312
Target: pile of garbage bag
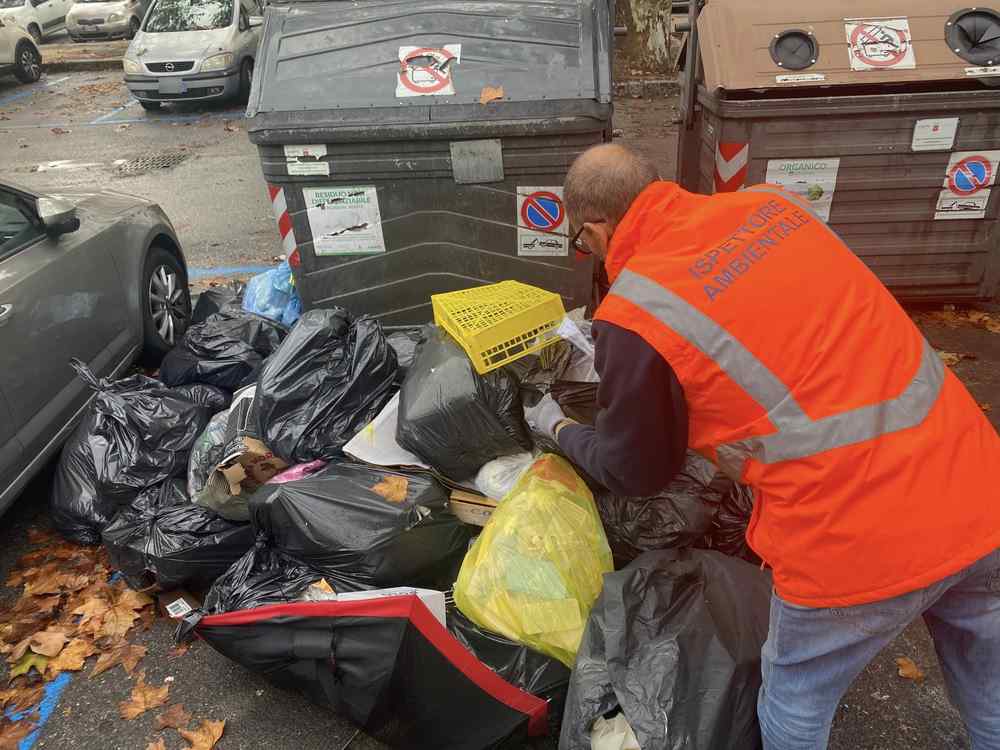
column 302, row 476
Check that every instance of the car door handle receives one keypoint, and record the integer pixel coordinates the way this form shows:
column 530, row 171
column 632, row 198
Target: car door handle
column 6, row 313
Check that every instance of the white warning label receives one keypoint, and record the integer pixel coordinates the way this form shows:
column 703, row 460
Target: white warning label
column 344, row 220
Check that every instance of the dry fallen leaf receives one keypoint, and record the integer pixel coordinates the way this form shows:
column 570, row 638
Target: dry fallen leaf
column 144, row 698
column 986, row 407
column 56, row 582
column 179, row 650
column 22, row 697
column 127, row 654
column 175, row 717
column 12, row 732
column 49, row 642
column 392, row 488
column 953, row 358
column 26, row 663
column 72, row 658
column 158, row 745
column 490, row 93
column 205, row 736
column 908, row 669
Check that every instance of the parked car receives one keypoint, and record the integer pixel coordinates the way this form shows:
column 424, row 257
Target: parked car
column 193, row 51
column 104, row 19
column 40, row 18
column 99, row 276
column 19, row 54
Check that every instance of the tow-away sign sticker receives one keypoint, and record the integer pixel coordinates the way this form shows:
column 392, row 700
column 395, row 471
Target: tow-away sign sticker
column 427, row 71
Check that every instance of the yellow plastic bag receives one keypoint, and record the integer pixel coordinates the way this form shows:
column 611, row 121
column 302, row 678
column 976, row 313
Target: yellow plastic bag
column 535, row 570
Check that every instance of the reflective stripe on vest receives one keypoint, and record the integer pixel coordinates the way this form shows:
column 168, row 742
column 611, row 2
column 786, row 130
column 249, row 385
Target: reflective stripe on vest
column 798, row 436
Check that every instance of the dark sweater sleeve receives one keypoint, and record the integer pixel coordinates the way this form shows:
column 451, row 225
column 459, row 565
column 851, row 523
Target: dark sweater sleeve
column 639, row 440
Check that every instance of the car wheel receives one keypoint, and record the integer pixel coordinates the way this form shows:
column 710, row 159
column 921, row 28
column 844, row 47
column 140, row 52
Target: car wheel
column 36, row 33
column 166, row 304
column 27, row 63
column 246, row 78
column 133, row 28
column 151, row 106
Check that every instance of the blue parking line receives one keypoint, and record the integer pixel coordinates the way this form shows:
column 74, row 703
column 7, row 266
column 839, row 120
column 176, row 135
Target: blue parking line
column 45, row 709
column 113, row 112
column 205, row 273
column 31, row 91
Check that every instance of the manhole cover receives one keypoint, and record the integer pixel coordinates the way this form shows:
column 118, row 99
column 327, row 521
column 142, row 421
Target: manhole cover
column 150, row 163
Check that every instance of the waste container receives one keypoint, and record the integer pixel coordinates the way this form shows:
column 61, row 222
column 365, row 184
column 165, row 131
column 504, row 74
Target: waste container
column 417, row 148
column 885, row 114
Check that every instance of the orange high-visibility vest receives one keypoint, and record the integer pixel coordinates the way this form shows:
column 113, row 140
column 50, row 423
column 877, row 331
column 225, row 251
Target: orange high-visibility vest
column 874, row 469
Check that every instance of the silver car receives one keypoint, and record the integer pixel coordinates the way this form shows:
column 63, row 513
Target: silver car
column 104, row 19
column 193, row 50
column 95, row 275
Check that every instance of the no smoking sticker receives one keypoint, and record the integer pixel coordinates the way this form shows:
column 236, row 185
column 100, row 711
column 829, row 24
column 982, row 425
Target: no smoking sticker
column 880, row 44
column 427, row 71
column 967, row 185
column 541, row 222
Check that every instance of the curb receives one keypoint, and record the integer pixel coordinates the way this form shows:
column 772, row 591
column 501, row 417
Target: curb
column 646, row 88
column 71, row 66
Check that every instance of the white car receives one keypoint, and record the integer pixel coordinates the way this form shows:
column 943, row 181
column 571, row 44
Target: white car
column 193, row 50
column 41, row 18
column 104, row 19
column 19, row 54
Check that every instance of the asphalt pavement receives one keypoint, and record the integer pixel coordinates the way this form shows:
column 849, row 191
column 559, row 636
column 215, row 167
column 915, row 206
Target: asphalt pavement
column 76, row 129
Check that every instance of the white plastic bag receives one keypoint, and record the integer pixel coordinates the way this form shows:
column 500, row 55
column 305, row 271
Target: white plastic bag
column 613, row 734
column 497, row 478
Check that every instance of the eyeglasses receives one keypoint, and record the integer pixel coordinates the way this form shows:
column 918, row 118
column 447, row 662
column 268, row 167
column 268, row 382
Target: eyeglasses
column 577, row 243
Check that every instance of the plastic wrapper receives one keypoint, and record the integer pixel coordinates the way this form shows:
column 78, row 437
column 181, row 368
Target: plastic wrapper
column 613, row 734
column 218, row 298
column 674, row 642
column 454, row 418
column 679, row 516
column 215, row 399
column 135, row 434
column 227, row 350
column 273, row 295
column 329, row 379
column 497, row 478
column 162, row 538
column 729, row 534
column 206, row 453
column 299, row 471
column 363, row 524
column 535, row 570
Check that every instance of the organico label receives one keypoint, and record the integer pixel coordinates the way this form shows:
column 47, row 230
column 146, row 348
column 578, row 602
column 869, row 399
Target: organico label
column 813, row 179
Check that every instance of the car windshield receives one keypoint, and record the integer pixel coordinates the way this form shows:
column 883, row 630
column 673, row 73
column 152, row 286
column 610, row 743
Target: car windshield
column 11, row 3
column 189, row 15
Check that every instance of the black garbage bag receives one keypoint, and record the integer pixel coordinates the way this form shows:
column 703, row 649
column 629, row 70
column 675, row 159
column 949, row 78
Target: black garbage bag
column 404, row 341
column 216, row 299
column 674, row 641
column 227, row 350
column 729, row 534
column 135, row 434
column 679, row 516
column 206, row 453
column 386, row 664
column 162, row 538
column 454, row 418
column 327, row 381
column 216, row 399
column 364, row 525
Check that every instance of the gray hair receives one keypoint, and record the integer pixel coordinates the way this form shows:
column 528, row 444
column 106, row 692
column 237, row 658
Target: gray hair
column 604, row 181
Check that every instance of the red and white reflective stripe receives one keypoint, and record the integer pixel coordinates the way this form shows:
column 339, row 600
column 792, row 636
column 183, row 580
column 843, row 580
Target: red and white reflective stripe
column 284, row 220
column 732, row 160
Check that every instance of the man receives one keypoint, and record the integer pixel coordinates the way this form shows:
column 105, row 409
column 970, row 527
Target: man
column 740, row 325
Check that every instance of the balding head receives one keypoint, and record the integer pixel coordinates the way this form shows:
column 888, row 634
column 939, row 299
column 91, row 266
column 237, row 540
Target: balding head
column 603, row 182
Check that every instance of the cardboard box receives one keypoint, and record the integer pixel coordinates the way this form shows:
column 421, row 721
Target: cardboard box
column 471, row 508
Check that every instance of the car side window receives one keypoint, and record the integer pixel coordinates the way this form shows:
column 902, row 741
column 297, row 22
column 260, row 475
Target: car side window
column 17, row 226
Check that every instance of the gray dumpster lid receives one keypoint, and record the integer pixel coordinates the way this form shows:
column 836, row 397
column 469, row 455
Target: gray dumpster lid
column 407, row 59
column 747, row 44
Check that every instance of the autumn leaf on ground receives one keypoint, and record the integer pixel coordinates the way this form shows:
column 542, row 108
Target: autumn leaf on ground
column 953, row 358
column 22, row 697
column 908, row 669
column 127, row 654
column 205, row 736
column 179, row 650
column 490, row 93
column 26, row 663
column 144, row 698
column 12, row 732
column 987, row 408
column 175, row 717
column 158, row 745
column 72, row 658
column 48, row 642
column 56, row 582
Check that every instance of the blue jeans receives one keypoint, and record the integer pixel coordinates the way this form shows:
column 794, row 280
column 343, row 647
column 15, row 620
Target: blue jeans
column 813, row 655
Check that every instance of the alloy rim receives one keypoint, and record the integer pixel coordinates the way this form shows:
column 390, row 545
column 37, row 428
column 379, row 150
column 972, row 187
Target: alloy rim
column 166, row 303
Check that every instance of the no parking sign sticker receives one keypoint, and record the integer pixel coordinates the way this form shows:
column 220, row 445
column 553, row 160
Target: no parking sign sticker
column 967, row 184
column 426, row 71
column 541, row 222
column 880, row 43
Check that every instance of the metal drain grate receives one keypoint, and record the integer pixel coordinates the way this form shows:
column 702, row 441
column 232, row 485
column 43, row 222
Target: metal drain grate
column 151, row 163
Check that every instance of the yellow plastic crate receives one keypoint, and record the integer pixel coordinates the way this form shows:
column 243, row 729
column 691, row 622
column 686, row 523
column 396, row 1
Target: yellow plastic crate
column 499, row 323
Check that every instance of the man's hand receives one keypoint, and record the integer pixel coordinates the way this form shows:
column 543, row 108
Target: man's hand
column 545, row 416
